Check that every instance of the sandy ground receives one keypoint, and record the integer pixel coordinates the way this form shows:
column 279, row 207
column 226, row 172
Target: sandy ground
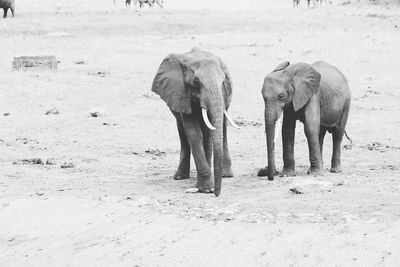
column 119, row 206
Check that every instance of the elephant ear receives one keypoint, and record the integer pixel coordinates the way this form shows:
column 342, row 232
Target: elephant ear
column 169, row 84
column 281, row 66
column 226, row 86
column 306, row 83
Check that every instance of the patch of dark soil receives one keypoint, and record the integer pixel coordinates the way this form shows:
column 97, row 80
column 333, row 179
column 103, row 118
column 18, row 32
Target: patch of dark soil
column 377, row 146
column 243, row 122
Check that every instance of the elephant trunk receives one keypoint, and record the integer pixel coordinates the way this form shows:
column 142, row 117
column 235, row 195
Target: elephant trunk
column 217, row 119
column 270, row 134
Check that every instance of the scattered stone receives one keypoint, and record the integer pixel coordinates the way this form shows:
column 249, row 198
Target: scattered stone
column 34, row 63
column 66, row 165
column 97, row 112
column 53, row 111
column 243, row 122
column 6, row 114
column 80, row 62
column 192, row 190
column 348, row 147
column 309, row 185
column 155, row 152
column 33, row 161
column 100, row 74
column 340, row 183
column 377, row 146
column 296, row 191
column 39, row 193
column 109, row 124
column 51, row 162
column 142, row 201
column 26, row 140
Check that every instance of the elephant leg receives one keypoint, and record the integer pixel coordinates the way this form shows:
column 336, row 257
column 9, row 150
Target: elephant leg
column 207, row 142
column 337, row 137
column 322, row 132
column 5, row 12
column 288, row 134
column 183, row 171
column 311, row 128
column 194, row 134
column 227, row 163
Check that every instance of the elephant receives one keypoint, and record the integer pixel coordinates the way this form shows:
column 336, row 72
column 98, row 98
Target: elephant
column 319, row 96
column 7, row 4
column 197, row 86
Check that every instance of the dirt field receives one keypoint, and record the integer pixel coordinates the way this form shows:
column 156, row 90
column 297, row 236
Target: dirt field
column 115, row 203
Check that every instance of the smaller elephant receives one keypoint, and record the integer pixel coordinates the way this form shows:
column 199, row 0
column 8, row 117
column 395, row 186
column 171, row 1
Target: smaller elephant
column 319, row 96
column 7, row 4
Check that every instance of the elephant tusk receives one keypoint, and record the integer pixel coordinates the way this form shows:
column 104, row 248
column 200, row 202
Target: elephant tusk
column 206, row 121
column 229, row 118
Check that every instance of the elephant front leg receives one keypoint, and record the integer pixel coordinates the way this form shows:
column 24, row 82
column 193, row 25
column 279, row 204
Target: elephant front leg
column 183, row 171
column 194, row 134
column 227, row 163
column 288, row 135
column 312, row 129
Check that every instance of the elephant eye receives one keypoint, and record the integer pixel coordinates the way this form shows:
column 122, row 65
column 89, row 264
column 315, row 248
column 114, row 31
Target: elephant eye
column 196, row 82
column 281, row 96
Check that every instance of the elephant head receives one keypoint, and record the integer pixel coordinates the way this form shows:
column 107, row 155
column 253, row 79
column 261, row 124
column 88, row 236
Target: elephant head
column 199, row 78
column 287, row 86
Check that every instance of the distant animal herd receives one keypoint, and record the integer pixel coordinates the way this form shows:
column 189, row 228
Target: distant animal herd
column 142, row 3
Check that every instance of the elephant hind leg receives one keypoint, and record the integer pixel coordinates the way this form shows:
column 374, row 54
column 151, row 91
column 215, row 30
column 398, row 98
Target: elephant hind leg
column 5, row 12
column 322, row 133
column 183, row 171
column 337, row 137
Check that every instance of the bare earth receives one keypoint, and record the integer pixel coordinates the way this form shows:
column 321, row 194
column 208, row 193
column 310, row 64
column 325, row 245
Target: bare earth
column 118, row 205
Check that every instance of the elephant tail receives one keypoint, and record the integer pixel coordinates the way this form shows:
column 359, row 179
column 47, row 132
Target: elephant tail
column 348, row 138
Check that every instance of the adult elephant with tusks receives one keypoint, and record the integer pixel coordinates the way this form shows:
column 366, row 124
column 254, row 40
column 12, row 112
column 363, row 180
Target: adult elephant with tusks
column 7, row 4
column 319, row 96
column 197, row 88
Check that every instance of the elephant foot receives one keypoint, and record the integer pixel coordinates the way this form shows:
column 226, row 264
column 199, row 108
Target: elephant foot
column 315, row 171
column 181, row 175
column 264, row 172
column 287, row 173
column 336, row 169
column 205, row 185
column 227, row 173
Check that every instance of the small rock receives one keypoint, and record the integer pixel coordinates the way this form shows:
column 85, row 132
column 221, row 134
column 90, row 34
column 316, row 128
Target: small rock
column 6, row 114
column 51, row 162
column 192, row 190
column 347, row 147
column 97, row 112
column 309, row 185
column 296, row 191
column 80, row 62
column 34, row 161
column 66, row 165
column 53, row 111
